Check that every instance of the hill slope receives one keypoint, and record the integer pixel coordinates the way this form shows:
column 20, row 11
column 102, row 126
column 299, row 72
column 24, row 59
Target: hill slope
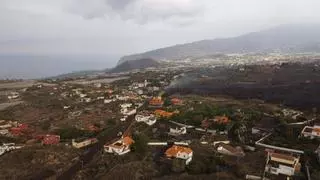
column 135, row 64
column 285, row 38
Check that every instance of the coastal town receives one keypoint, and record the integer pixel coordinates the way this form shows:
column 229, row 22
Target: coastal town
column 129, row 122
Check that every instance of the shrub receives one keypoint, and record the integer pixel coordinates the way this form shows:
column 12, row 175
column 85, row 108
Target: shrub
column 140, row 144
column 73, row 133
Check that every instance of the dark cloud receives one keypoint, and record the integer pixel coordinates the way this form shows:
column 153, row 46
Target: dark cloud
column 119, row 4
column 130, row 26
column 139, row 11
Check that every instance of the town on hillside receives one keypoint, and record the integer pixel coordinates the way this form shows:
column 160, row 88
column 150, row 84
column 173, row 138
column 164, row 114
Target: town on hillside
column 190, row 121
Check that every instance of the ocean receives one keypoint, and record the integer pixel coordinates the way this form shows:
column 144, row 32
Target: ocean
column 20, row 66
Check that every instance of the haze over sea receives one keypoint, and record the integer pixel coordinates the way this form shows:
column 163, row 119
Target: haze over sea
column 21, row 66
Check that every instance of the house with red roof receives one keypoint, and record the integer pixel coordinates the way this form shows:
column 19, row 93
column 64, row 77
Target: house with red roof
column 180, row 152
column 156, row 102
column 221, row 119
column 120, row 147
column 176, row 101
column 311, row 131
column 50, row 139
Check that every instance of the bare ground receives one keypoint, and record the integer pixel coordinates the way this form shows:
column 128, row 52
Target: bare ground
column 21, row 84
column 9, row 104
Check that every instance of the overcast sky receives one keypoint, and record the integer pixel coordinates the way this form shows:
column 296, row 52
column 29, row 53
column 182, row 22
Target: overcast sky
column 120, row 27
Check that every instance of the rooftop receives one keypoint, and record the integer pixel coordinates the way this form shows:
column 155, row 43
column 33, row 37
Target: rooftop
column 283, row 158
column 174, row 150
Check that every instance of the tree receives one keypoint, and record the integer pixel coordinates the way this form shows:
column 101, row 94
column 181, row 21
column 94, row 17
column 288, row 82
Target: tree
column 167, row 102
column 178, row 165
column 73, row 133
column 196, row 167
column 140, row 144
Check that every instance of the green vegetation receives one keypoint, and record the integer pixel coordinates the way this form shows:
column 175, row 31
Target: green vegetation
column 154, row 82
column 178, row 165
column 105, row 132
column 201, row 112
column 167, row 102
column 288, row 138
column 204, row 165
column 140, row 144
column 73, row 133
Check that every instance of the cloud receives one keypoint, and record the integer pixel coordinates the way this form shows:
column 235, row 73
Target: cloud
column 139, row 11
column 131, row 26
column 119, row 4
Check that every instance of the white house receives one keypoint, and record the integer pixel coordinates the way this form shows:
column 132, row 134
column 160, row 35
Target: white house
column 128, row 112
column 146, row 83
column 87, row 100
column 64, row 94
column 124, row 118
column 282, row 164
column 131, row 112
column 180, row 152
column 227, row 149
column 151, row 121
column 311, row 132
column 141, row 85
column 141, row 118
column 122, row 98
column 120, row 147
column 126, row 105
column 292, row 113
column 148, row 119
column 178, row 131
column 77, row 91
column 156, row 88
column 4, row 131
column 140, row 92
column 100, row 98
column 84, row 143
column 6, row 147
column 138, row 105
column 13, row 95
column 5, row 126
column 97, row 85
column 107, row 101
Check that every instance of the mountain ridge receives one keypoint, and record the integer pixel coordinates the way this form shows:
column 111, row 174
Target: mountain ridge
column 284, row 38
column 135, row 64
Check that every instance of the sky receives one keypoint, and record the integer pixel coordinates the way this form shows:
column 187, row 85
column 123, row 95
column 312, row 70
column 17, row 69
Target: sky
column 122, row 27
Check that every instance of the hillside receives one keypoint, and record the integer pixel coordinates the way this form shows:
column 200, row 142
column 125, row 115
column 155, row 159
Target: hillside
column 285, row 38
column 135, row 64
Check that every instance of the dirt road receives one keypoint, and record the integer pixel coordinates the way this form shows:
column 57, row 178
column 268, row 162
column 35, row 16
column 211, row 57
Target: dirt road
column 6, row 105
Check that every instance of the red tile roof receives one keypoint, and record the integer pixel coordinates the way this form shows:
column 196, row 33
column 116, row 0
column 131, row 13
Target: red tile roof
column 174, row 150
column 221, row 119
